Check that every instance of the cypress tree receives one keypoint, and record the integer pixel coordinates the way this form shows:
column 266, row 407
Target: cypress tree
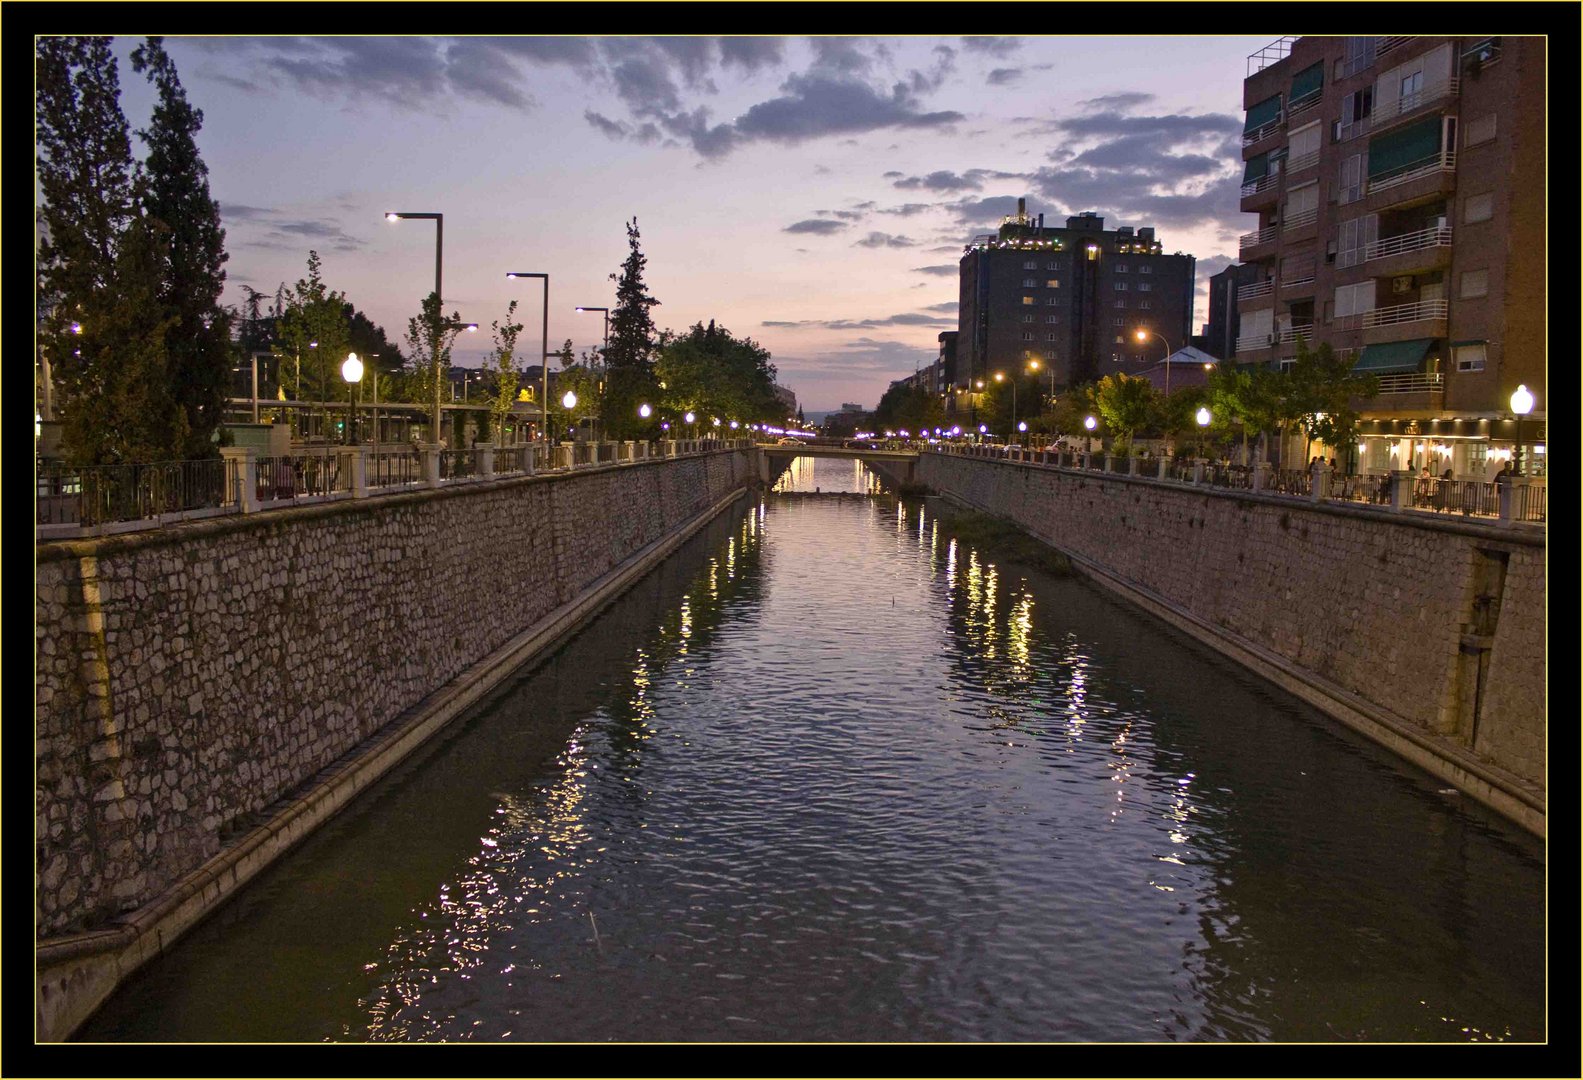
column 198, row 344
column 629, row 360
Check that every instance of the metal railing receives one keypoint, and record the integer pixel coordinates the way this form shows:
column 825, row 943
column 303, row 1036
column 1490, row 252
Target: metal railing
column 1264, row 183
column 1297, row 164
column 1301, row 218
column 1408, row 104
column 458, row 464
column 1442, row 161
column 1411, row 383
column 512, row 459
column 1289, row 334
column 1298, row 106
column 1433, row 237
column 397, row 469
column 1390, row 44
column 298, row 476
column 1262, row 288
column 102, row 494
column 1263, row 236
column 1269, row 54
column 1405, row 313
column 1254, row 342
column 1264, row 132
column 1237, row 477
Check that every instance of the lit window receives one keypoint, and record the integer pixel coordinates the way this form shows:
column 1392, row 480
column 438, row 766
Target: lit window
column 1469, row 357
column 1027, row 299
column 1475, row 283
column 1053, row 283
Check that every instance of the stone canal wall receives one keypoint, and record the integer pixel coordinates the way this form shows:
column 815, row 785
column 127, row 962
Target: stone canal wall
column 189, row 678
column 1427, row 634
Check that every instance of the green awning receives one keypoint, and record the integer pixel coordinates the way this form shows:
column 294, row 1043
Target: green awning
column 1262, row 113
column 1256, row 169
column 1393, row 357
column 1402, row 149
column 1308, row 81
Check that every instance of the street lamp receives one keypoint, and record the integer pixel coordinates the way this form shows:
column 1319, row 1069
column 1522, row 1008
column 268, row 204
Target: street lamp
column 1000, row 376
column 1522, row 405
column 606, row 312
column 544, row 349
column 644, row 410
column 439, row 252
column 352, row 372
column 1203, row 418
column 1144, row 335
column 1090, row 423
column 569, row 401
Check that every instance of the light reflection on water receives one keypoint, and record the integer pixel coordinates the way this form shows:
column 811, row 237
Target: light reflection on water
column 835, row 774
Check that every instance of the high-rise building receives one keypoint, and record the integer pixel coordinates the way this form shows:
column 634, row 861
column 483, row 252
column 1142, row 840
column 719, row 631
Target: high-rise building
column 1399, row 184
column 1220, row 332
column 1072, row 298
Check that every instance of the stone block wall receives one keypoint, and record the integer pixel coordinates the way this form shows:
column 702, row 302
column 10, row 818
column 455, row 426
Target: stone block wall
column 190, row 677
column 1375, row 604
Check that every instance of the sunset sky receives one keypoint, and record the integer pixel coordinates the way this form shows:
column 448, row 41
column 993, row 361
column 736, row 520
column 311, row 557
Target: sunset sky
column 811, row 193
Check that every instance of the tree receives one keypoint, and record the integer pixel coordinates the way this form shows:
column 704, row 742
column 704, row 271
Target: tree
column 430, row 336
column 580, row 376
column 1322, row 388
column 198, row 341
column 505, row 338
column 908, row 407
column 313, row 338
column 715, row 373
column 1126, row 403
column 629, row 359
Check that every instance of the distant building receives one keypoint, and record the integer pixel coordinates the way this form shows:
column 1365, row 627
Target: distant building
column 1220, row 332
column 788, row 400
column 1072, row 298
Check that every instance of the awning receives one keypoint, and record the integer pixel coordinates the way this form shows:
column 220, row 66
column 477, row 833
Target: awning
column 1257, row 168
column 1262, row 113
column 1308, row 81
column 1393, row 357
column 1397, row 151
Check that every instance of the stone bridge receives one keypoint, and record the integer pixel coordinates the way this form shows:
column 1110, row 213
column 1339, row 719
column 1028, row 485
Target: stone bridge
column 896, row 466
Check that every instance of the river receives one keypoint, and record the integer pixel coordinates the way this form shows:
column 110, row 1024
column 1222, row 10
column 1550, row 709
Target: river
column 833, row 773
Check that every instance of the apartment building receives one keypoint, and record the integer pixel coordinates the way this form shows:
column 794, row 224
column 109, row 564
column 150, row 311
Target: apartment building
column 1072, row 298
column 1399, row 188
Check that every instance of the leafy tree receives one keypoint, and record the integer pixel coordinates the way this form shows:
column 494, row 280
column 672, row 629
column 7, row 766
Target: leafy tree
column 430, row 336
column 100, row 263
column 367, row 339
column 314, row 337
column 910, row 408
column 1074, row 406
column 581, row 376
column 506, row 381
column 1127, row 403
column 715, row 373
column 629, row 360
column 198, row 343
column 1323, row 387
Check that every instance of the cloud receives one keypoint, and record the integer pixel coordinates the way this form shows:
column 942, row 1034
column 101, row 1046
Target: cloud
column 945, row 180
column 1208, row 268
column 750, row 54
column 818, row 226
column 844, row 215
column 879, row 239
column 1000, row 47
column 905, row 318
column 1114, row 102
column 909, row 209
column 948, row 307
column 263, row 227
column 815, row 105
column 946, row 270
column 1004, row 77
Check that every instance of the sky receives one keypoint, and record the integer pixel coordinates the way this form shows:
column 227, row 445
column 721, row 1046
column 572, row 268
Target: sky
column 812, row 193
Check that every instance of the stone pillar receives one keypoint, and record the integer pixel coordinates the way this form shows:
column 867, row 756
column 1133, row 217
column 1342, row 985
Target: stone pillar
column 354, row 470
column 1261, row 476
column 1164, row 469
column 1198, row 470
column 245, row 475
column 431, row 464
column 1401, row 489
column 1514, row 498
column 486, row 459
column 530, row 458
column 1132, row 464
column 1319, row 481
column 629, row 450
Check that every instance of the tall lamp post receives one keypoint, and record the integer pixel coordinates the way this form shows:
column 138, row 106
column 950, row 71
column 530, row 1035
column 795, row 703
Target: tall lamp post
column 1203, row 417
column 352, row 372
column 1522, row 405
column 439, row 253
column 605, row 350
column 544, row 347
column 1144, row 335
column 1000, row 376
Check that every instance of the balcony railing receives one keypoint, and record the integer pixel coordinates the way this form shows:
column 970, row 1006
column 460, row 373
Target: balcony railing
column 1273, row 52
column 1405, row 313
column 1301, row 218
column 1302, row 105
column 1432, row 237
column 1349, row 131
column 1297, row 163
column 1390, row 44
column 1258, row 289
column 1408, row 104
column 1304, row 276
column 1263, row 236
column 1290, row 334
column 1263, row 183
column 1254, row 342
column 1261, row 133
column 1419, row 382
column 1444, row 161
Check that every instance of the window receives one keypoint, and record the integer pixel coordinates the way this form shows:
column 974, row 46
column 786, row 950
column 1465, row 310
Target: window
column 1120, row 340
column 1027, row 336
column 1121, row 268
column 1145, row 269
column 1118, row 321
column 1475, row 283
column 1052, row 318
column 1355, row 110
column 1301, row 204
column 1053, row 283
column 1027, row 318
column 1049, row 354
column 1478, row 131
column 1145, row 304
column 1049, row 337
column 1355, row 236
column 1478, row 207
column 1354, row 299
column 1304, row 143
column 1352, row 173
column 1411, row 84
column 1052, row 265
column 1027, row 299
column 1030, row 283
column 1469, row 357
column 1030, row 265
column 1122, row 302
column 1144, row 286
column 1121, row 286
column 1052, row 301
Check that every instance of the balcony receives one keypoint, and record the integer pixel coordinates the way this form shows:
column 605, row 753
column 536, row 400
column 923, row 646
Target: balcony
column 1414, row 383
column 1409, row 105
column 1303, row 106
column 1307, row 161
column 1411, row 253
column 1428, row 178
column 1290, row 334
column 1257, row 135
column 1388, row 45
column 1435, row 237
column 1274, row 52
column 1251, row 240
column 1397, row 314
column 1267, row 184
column 1256, row 290
column 1252, row 343
column 1300, row 219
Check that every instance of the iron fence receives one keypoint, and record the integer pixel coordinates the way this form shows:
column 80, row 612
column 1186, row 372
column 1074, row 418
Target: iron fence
column 395, row 469
column 458, row 464
column 100, row 494
column 298, row 476
column 511, row 459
